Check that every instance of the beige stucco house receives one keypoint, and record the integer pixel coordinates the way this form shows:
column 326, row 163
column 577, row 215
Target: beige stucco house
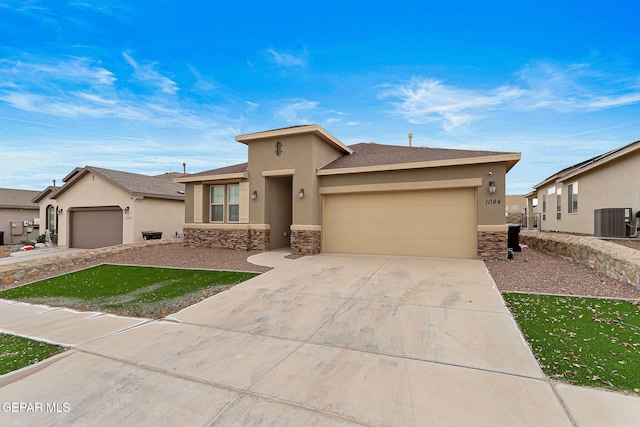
column 597, row 196
column 102, row 207
column 18, row 215
column 303, row 188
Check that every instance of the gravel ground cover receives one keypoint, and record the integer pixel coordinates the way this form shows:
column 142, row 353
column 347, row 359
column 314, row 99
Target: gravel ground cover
column 633, row 244
column 533, row 271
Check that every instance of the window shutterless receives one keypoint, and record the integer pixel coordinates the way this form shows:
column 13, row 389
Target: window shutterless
column 217, row 203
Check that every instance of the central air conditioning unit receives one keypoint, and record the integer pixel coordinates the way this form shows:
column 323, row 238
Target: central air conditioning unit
column 611, row 222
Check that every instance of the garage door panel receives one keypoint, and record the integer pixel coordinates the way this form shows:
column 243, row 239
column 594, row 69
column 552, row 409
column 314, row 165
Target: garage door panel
column 96, row 228
column 409, row 232
column 426, row 223
column 433, row 248
column 412, row 216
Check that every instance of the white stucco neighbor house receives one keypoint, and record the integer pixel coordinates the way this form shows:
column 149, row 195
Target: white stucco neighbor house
column 98, row 207
column 598, row 196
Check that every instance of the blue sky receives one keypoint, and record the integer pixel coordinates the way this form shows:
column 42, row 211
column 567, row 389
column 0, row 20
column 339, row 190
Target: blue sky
column 143, row 86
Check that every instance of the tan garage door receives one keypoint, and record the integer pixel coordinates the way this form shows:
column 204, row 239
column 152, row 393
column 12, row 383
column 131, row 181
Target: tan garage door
column 438, row 223
column 96, row 227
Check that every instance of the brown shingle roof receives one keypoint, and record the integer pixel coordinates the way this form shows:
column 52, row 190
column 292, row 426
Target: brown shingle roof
column 372, row 154
column 161, row 186
column 49, row 191
column 17, row 199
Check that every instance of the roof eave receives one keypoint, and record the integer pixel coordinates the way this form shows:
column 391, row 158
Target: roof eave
column 30, row 207
column 41, row 195
column 159, row 196
column 509, row 158
column 221, row 177
column 72, row 173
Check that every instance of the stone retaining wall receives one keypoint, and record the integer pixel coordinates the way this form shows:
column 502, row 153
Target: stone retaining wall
column 21, row 270
column 616, row 261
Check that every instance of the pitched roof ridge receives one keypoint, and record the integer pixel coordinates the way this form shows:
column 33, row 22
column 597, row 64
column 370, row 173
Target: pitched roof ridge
column 370, row 154
column 584, row 164
column 161, row 186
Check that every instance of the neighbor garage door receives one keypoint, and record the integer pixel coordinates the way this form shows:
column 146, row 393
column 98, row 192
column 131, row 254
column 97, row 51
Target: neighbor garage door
column 95, row 227
column 438, row 223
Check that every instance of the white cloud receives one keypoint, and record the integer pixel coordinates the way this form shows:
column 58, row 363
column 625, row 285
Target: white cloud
column 203, row 83
column 146, row 74
column 251, row 106
column 28, row 71
column 566, row 89
column 286, row 59
column 428, row 100
column 293, row 112
column 579, row 87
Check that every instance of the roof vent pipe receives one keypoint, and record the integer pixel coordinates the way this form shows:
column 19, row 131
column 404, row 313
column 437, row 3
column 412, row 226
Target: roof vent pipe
column 54, row 182
column 410, row 138
column 184, row 168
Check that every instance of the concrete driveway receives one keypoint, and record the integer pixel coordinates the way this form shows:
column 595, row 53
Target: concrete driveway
column 329, row 340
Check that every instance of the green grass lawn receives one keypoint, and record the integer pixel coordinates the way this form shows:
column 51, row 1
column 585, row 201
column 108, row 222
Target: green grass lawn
column 583, row 341
column 128, row 290
column 17, row 352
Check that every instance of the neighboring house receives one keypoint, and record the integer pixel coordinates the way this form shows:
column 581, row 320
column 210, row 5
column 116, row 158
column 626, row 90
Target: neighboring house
column 579, row 199
column 515, row 204
column 515, row 207
column 18, row 215
column 305, row 189
column 101, row 207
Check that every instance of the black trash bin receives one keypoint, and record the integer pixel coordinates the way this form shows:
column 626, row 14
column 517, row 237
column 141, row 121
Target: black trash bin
column 152, row 235
column 1, row 238
column 513, row 237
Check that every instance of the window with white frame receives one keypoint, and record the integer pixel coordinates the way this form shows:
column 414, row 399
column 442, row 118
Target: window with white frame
column 544, row 207
column 559, row 204
column 233, row 202
column 225, row 203
column 573, row 197
column 217, row 203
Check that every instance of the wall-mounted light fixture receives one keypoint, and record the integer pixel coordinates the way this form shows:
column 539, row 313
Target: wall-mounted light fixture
column 126, row 210
column 254, row 194
column 59, row 211
column 492, row 187
column 301, row 193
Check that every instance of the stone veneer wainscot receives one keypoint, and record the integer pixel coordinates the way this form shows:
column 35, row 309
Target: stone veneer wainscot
column 492, row 244
column 246, row 238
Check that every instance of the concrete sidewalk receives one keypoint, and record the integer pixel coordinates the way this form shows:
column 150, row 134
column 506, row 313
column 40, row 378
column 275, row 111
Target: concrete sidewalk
column 24, row 256
column 324, row 340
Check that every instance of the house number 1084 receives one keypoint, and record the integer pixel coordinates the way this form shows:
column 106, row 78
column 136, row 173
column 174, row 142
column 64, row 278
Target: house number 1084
column 493, row 201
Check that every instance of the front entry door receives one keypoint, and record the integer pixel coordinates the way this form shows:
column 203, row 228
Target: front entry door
column 279, row 194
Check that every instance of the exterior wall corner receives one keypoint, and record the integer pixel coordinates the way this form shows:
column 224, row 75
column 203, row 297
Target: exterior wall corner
column 492, row 244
